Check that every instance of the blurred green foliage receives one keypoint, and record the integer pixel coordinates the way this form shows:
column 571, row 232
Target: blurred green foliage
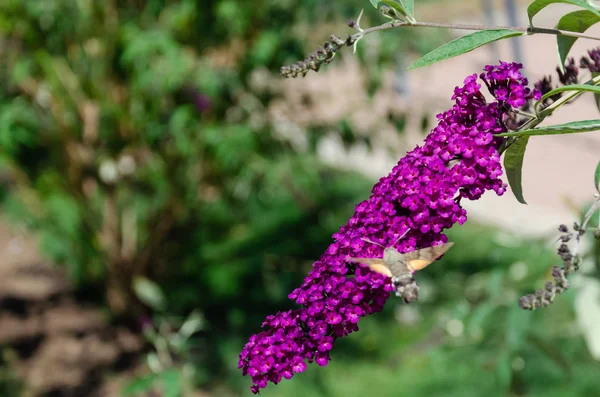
column 136, row 143
column 137, row 146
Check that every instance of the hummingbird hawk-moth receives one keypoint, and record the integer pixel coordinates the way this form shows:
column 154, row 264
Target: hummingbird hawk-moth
column 401, row 266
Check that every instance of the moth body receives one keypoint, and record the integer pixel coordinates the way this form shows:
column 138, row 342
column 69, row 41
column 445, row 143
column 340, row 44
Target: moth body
column 401, row 266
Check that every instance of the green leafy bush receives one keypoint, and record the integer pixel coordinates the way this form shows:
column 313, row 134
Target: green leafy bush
column 136, row 143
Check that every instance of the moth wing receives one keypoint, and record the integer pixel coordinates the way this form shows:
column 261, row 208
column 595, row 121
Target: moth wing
column 376, row 264
column 420, row 259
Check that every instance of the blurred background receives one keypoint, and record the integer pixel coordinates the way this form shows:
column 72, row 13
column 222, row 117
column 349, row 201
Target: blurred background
column 162, row 190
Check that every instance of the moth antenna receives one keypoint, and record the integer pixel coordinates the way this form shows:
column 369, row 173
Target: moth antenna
column 403, row 234
column 372, row 242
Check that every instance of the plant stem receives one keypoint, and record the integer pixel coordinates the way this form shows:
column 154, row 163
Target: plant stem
column 529, row 29
column 526, row 114
column 588, row 216
column 567, row 98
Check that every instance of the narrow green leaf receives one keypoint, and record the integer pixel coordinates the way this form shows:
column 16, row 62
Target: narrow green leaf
column 513, row 164
column 539, row 5
column 463, row 45
column 578, row 21
column 570, row 87
column 404, row 7
column 149, row 293
column 574, row 127
column 597, row 177
column 193, row 323
column 409, row 6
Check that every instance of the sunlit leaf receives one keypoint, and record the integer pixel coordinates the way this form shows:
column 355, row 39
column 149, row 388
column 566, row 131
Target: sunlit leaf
column 539, row 5
column 463, row 45
column 149, row 293
column 193, row 323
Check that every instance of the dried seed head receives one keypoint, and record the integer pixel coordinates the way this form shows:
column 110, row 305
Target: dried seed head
column 336, row 40
column 527, row 302
column 545, row 296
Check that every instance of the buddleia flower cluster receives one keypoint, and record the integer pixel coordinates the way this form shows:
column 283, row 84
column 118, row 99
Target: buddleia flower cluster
column 421, row 197
column 569, row 75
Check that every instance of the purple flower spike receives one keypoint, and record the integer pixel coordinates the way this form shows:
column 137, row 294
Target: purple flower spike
column 421, row 195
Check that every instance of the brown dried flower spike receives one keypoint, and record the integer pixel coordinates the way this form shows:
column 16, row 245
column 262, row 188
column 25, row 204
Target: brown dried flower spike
column 324, row 54
column 544, row 297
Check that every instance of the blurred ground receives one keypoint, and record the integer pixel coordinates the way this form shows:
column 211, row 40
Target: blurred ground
column 58, row 345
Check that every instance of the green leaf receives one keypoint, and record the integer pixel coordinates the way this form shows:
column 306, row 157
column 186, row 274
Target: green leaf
column 513, row 163
column 596, row 96
column 597, row 177
column 409, row 6
column 558, row 129
column 463, row 45
column 578, row 21
column 404, row 7
column 571, row 87
column 193, row 323
column 139, row 386
column 172, row 385
column 149, row 293
column 538, row 5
